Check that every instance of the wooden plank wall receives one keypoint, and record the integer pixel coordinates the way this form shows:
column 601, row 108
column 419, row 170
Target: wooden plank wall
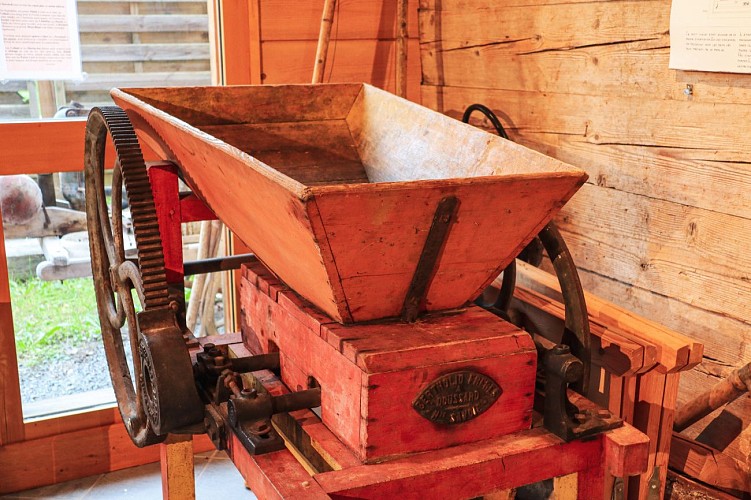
column 663, row 226
column 362, row 47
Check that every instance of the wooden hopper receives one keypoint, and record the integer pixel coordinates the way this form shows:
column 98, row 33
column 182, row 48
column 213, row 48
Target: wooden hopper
column 335, row 187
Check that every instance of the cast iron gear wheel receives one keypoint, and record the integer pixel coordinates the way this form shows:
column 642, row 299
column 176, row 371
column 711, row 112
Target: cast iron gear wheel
column 159, row 395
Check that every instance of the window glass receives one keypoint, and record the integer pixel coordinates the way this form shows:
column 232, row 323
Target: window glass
column 150, row 43
column 123, row 44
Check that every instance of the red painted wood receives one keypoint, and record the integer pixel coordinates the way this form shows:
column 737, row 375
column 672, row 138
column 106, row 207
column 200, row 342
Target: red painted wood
column 591, row 482
column 371, row 374
column 352, row 248
column 435, row 339
column 164, row 185
column 626, row 451
column 466, row 471
column 305, row 353
column 274, row 475
column 193, row 209
column 321, row 438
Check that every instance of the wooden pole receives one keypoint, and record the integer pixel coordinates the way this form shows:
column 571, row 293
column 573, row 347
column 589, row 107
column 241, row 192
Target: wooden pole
column 728, row 389
column 327, row 20
column 204, row 248
column 401, row 48
column 178, row 478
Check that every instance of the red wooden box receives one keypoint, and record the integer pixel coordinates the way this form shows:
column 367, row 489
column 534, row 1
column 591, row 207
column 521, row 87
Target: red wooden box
column 371, row 374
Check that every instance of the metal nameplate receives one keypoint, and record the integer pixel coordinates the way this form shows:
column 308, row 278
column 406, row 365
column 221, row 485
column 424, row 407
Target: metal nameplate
column 457, row 397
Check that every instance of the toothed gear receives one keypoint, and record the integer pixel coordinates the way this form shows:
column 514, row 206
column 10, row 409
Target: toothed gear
column 157, row 395
column 141, row 202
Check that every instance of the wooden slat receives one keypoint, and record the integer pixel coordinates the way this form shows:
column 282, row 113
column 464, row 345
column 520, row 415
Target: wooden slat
column 45, row 427
column 708, row 465
column 106, row 81
column 619, row 165
column 536, row 25
column 74, row 455
column 13, row 86
column 177, row 464
column 240, row 37
column 369, row 61
column 465, row 471
column 145, row 52
column 62, row 151
column 573, row 115
column 11, row 414
column 617, row 353
column 675, row 351
column 353, row 20
column 142, row 24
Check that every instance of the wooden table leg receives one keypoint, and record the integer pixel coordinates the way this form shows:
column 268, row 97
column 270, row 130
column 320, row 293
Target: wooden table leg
column 178, row 477
column 565, row 487
column 590, row 483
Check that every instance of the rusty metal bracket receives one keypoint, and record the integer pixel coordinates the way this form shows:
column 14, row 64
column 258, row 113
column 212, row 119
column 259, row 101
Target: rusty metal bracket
column 655, row 485
column 561, row 417
column 259, row 437
column 250, row 416
column 618, row 489
column 252, row 406
column 444, row 217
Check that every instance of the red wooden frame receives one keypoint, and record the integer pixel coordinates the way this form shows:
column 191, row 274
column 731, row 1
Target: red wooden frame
column 466, row 470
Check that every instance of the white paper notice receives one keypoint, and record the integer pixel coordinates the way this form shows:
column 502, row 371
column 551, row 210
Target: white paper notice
column 39, row 40
column 710, row 35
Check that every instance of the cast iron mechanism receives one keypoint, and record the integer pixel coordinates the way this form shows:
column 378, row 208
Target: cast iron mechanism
column 567, row 364
column 248, row 412
column 159, row 396
column 560, row 416
column 252, row 406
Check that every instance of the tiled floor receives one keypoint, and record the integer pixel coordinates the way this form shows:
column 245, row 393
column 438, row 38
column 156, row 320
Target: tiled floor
column 216, row 477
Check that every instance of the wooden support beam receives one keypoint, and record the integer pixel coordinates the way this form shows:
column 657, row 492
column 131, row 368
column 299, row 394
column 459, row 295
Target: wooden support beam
column 177, row 463
column 11, row 415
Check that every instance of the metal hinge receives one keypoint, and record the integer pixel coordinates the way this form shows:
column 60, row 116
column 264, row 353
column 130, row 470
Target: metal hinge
column 617, row 489
column 654, row 485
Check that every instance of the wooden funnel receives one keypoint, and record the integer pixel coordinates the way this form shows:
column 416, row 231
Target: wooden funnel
column 335, row 188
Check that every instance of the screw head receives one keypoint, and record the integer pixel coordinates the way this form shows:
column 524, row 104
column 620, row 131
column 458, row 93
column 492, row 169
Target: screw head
column 249, row 393
column 561, row 349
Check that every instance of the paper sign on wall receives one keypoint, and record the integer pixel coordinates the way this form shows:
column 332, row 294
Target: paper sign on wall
column 39, row 40
column 711, row 35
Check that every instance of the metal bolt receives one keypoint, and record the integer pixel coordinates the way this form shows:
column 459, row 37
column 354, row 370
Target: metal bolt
column 208, row 347
column 249, row 393
column 689, row 90
column 561, row 349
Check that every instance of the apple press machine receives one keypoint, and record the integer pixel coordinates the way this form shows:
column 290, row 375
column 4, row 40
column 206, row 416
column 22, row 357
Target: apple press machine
column 363, row 368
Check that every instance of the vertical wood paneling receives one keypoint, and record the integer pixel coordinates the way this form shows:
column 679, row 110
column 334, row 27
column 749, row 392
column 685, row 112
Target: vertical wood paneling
column 362, row 46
